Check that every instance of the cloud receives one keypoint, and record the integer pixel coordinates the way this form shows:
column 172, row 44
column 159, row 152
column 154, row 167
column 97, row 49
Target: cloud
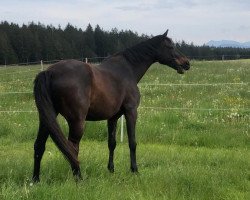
column 244, row 28
column 133, row 8
column 155, row 5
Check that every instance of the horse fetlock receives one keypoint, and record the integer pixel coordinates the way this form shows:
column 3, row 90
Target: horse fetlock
column 134, row 169
column 35, row 179
column 77, row 175
column 111, row 167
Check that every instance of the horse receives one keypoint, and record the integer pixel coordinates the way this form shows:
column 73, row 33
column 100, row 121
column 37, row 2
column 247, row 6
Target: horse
column 82, row 92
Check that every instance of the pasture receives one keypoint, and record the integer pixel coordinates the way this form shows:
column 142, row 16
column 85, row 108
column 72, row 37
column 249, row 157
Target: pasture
column 193, row 135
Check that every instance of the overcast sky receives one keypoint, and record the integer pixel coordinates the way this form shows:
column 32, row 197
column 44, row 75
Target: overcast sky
column 192, row 20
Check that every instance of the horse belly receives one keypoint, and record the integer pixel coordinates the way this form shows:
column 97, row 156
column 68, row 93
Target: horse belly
column 107, row 94
column 102, row 110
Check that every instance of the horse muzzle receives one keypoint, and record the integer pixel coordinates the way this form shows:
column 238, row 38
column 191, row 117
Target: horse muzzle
column 183, row 67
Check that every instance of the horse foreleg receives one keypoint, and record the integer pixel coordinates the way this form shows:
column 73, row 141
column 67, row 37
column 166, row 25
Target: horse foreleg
column 75, row 135
column 131, row 117
column 39, row 148
column 112, row 123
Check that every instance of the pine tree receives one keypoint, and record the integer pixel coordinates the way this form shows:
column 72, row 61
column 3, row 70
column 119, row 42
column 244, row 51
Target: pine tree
column 89, row 42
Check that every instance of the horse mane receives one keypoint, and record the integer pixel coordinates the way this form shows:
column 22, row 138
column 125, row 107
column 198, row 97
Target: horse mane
column 142, row 51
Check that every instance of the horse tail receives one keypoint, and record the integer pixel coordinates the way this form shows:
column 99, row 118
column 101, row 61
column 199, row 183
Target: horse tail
column 47, row 116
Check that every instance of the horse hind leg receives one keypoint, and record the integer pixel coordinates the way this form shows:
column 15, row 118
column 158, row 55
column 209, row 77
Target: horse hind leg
column 39, row 148
column 75, row 135
column 112, row 123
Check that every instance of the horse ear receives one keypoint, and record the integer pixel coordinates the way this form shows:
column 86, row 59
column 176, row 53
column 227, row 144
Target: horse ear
column 165, row 34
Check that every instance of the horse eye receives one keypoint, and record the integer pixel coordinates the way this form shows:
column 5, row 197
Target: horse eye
column 170, row 47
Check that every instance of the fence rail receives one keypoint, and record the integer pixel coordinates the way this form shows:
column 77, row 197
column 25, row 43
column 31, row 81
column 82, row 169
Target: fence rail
column 99, row 59
column 147, row 84
column 40, row 62
column 152, row 108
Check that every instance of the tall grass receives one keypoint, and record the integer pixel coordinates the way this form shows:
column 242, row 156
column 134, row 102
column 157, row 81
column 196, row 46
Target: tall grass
column 198, row 152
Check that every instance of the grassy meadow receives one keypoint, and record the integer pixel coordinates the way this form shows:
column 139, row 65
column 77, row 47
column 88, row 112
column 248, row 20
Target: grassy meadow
column 193, row 135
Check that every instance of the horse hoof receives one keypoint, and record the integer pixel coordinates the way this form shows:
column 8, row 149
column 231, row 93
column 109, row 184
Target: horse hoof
column 78, row 178
column 35, row 180
column 134, row 170
column 111, row 168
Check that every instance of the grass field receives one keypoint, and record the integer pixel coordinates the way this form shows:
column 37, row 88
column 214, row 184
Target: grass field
column 193, row 135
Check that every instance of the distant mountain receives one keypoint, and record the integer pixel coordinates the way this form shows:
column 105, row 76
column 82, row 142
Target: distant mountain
column 228, row 43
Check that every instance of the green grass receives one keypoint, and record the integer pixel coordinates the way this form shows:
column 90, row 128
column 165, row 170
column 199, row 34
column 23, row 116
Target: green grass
column 167, row 171
column 182, row 154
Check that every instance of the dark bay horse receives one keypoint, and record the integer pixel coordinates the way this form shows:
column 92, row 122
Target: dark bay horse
column 80, row 92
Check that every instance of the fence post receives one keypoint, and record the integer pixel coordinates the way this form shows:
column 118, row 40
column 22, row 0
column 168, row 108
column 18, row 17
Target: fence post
column 122, row 122
column 41, row 65
column 86, row 60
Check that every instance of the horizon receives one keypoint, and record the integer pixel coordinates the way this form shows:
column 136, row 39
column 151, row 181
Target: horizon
column 189, row 20
column 140, row 34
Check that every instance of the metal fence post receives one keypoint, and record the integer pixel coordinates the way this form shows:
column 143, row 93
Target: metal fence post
column 122, row 133
column 41, row 65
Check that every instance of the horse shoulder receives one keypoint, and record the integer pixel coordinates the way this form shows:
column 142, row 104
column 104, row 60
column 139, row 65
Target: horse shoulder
column 132, row 97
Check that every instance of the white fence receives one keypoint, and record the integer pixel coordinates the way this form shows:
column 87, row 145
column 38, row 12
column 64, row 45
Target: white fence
column 41, row 62
column 99, row 59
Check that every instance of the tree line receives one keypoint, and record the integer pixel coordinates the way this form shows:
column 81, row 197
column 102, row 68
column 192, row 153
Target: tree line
column 34, row 42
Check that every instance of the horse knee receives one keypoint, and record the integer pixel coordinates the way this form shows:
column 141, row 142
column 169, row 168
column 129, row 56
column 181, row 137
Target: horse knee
column 112, row 145
column 132, row 146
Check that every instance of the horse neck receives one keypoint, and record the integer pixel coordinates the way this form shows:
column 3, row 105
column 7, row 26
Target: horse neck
column 141, row 68
column 121, row 66
column 140, row 58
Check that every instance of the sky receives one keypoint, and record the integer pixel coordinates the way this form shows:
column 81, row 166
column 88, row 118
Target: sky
column 197, row 21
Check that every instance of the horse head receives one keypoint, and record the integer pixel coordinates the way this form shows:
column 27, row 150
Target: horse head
column 168, row 54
